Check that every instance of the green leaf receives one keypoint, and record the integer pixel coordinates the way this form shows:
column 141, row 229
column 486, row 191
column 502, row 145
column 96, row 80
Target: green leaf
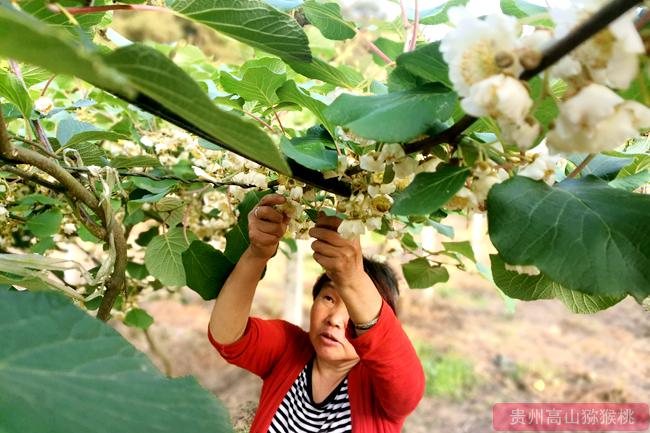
column 427, row 62
column 70, row 127
column 394, row 117
column 123, row 161
column 290, row 92
column 438, row 15
column 45, row 224
column 90, row 153
column 206, row 268
column 430, row 191
column 327, row 17
column 310, row 152
column 155, row 186
column 163, row 256
column 320, row 70
column 603, row 166
column 82, row 137
column 137, row 270
column 138, row 318
column 521, row 8
column 257, row 84
column 252, row 22
column 39, row 9
column 463, row 248
column 170, row 93
column 237, row 237
column 534, row 287
column 26, row 39
column 13, row 91
column 634, row 175
column 86, row 236
column 55, row 357
column 583, row 234
column 420, row 274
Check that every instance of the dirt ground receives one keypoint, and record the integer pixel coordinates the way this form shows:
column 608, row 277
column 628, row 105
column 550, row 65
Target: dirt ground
column 539, row 353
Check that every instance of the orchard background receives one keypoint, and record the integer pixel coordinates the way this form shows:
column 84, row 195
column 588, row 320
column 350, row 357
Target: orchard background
column 494, row 159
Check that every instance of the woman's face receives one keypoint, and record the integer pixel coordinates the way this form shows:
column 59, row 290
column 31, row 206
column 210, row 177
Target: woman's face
column 329, row 318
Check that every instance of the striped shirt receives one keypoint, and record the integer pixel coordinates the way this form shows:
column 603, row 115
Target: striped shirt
column 299, row 413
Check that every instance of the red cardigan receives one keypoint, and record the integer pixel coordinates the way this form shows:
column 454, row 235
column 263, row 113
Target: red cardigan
column 384, row 387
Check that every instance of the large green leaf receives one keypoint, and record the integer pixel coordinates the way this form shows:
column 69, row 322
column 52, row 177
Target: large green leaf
column 95, row 136
column 327, row 17
column 534, row 287
column 257, row 84
column 168, row 91
column 521, row 8
column 163, row 256
column 427, row 62
column 26, row 39
column 13, row 91
column 320, row 70
column 430, row 191
column 634, row 175
column 39, row 9
column 393, row 117
column 63, row 371
column 420, row 274
column 207, row 269
column 312, row 152
column 583, row 234
column 252, row 22
column 290, row 92
column 122, row 161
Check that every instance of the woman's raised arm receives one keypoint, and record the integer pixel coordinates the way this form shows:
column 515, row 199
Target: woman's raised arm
column 266, row 226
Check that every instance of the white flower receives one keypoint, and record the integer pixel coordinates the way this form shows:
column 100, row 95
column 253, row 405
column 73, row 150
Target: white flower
column 69, row 228
column 463, row 200
column 507, row 100
column 477, row 49
column 428, row 166
column 3, row 212
column 610, row 58
column 391, row 152
column 350, row 229
column 405, row 167
column 542, row 166
column 485, row 177
column 384, row 188
column 597, row 119
column 524, row 270
column 296, row 193
column 43, row 105
column 371, row 162
column 251, row 178
column 373, row 223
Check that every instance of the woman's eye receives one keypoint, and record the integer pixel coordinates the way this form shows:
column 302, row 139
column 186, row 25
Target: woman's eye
column 329, row 298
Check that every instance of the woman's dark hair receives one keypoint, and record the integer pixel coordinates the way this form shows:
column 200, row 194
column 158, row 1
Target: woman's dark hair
column 381, row 275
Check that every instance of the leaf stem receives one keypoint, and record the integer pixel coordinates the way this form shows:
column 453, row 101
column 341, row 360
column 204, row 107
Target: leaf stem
column 375, row 49
column 260, row 121
column 275, row 113
column 47, row 84
column 581, row 167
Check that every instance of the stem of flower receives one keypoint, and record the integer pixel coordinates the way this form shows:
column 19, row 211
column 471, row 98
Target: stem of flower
column 260, row 121
column 375, row 49
column 581, row 167
column 47, row 84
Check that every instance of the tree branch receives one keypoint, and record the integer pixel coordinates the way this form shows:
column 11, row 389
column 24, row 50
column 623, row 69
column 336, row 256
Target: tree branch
column 554, row 53
column 33, row 178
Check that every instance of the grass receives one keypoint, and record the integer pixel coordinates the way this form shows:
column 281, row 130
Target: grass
column 447, row 376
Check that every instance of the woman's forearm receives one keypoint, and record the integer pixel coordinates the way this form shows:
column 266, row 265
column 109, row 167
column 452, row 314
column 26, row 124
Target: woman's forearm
column 233, row 305
column 361, row 298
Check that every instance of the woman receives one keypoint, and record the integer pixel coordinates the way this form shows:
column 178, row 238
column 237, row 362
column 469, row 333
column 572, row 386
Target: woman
column 355, row 370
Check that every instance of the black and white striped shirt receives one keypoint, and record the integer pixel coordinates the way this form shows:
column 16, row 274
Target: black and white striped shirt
column 299, row 413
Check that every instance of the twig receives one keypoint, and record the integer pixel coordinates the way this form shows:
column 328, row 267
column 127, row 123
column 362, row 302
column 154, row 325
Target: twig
column 34, row 143
column 32, row 178
column 154, row 349
column 580, row 34
column 99, row 9
column 581, row 167
column 416, row 22
column 48, row 84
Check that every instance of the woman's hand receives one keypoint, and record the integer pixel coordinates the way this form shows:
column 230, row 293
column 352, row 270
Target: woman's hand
column 266, row 226
column 342, row 259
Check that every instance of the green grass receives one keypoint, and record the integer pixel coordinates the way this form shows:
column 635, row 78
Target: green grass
column 447, row 376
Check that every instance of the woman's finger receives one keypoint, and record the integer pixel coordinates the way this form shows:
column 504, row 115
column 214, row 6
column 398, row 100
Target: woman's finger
column 330, row 222
column 271, row 199
column 270, row 228
column 263, row 239
column 325, row 249
column 328, row 235
column 268, row 213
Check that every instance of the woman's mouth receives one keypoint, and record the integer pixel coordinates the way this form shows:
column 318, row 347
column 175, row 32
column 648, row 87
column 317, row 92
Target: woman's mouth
column 328, row 339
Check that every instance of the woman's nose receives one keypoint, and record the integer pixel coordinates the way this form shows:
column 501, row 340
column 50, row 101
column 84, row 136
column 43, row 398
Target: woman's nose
column 338, row 316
